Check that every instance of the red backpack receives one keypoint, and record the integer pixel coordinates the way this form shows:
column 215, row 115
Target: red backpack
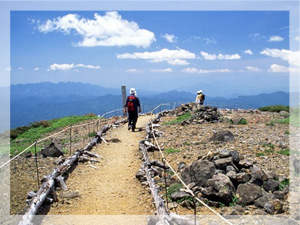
column 130, row 104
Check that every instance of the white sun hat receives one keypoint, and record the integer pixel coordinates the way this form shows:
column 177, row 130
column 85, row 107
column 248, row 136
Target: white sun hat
column 132, row 91
column 200, row 91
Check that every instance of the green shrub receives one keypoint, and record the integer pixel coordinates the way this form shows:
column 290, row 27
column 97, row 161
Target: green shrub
column 179, row 119
column 275, row 108
column 270, row 124
column 234, row 200
column 287, row 132
column 43, row 123
column 92, row 134
column 283, row 184
column 284, row 151
column 173, row 188
column 171, row 150
column 282, row 121
column 260, row 154
column 243, row 121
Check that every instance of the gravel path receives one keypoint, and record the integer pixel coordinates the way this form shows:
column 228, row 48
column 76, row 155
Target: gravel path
column 111, row 188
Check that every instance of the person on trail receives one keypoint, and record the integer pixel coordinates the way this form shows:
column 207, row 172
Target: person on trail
column 133, row 107
column 200, row 97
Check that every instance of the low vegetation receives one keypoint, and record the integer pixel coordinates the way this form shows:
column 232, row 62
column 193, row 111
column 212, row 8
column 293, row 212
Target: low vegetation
column 275, row 108
column 179, row 119
column 171, row 150
column 22, row 137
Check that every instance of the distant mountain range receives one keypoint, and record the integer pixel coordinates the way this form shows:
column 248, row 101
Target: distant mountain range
column 44, row 101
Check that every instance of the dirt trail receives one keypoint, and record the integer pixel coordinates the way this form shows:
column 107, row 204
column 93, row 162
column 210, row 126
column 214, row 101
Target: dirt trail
column 111, row 188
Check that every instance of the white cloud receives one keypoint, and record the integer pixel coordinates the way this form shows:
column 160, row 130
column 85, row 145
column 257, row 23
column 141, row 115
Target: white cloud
column 283, row 69
column 248, row 51
column 173, row 57
column 108, row 30
column 253, row 69
column 167, row 70
column 65, row 67
column 20, row 68
column 208, row 56
column 36, row 69
column 132, row 71
column 180, row 62
column 292, row 57
column 275, row 38
column 297, row 38
column 229, row 57
column 207, row 40
column 194, row 70
column 170, row 38
column 256, row 37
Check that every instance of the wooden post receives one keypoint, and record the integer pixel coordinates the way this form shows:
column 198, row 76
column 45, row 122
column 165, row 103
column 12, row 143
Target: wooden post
column 123, row 97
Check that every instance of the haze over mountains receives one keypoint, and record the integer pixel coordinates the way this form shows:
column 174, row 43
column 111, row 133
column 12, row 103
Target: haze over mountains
column 44, row 101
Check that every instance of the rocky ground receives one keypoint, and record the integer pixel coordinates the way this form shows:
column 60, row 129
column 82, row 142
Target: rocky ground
column 251, row 134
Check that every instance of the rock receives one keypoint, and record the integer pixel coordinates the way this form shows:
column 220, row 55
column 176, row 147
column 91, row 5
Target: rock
column 222, row 136
column 198, row 172
column 258, row 175
column 243, row 177
column 247, row 193
column 114, row 140
column 246, row 163
column 28, row 155
column 279, row 195
column 236, row 210
column 69, row 194
column 219, row 188
column 179, row 195
column 271, row 185
column 224, row 153
column 181, row 166
column 223, row 163
column 284, row 113
column 296, row 164
column 232, row 175
column 261, row 201
column 53, row 150
column 235, row 156
column 187, row 204
column 230, row 168
column 274, row 207
column 173, row 205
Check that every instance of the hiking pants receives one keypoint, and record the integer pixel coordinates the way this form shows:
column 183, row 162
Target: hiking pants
column 132, row 118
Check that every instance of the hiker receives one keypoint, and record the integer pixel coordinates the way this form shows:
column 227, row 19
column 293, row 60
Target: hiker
column 200, row 97
column 132, row 106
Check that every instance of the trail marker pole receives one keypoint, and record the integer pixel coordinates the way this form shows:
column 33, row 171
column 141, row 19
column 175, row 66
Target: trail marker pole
column 36, row 164
column 123, row 98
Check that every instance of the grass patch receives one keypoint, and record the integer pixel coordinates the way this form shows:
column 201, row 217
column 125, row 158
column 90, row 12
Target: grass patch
column 260, row 154
column 275, row 108
column 283, row 184
column 234, row 200
column 243, row 121
column 171, row 150
column 186, row 143
column 282, row 121
column 179, row 119
column 284, row 151
column 287, row 132
column 93, row 134
column 27, row 135
column 173, row 188
column 271, row 123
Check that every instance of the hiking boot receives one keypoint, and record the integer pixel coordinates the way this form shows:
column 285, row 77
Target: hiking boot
column 129, row 127
column 133, row 129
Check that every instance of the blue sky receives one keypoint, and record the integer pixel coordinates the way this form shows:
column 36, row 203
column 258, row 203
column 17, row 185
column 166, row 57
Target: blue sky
column 245, row 52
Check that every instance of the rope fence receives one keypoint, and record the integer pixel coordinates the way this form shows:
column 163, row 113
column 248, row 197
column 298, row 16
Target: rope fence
column 165, row 161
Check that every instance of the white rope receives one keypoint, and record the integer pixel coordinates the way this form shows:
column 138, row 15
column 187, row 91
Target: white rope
column 53, row 135
column 17, row 155
column 189, row 190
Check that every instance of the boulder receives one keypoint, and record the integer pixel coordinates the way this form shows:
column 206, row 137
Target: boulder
column 224, row 153
column 243, row 177
column 261, row 201
column 258, row 175
column 279, row 194
column 271, row 185
column 231, row 175
column 198, row 172
column 223, row 163
column 248, row 192
column 179, row 195
column 235, row 155
column 230, row 168
column 53, row 150
column 222, row 136
column 219, row 188
column 274, row 207
column 236, row 210
column 296, row 164
column 246, row 163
